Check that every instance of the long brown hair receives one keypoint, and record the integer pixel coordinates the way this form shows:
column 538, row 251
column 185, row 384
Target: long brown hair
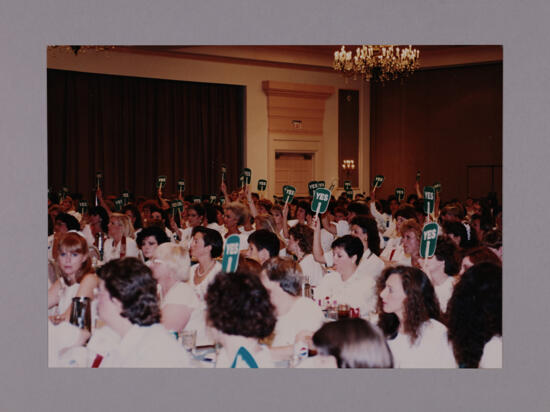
column 72, row 242
column 420, row 303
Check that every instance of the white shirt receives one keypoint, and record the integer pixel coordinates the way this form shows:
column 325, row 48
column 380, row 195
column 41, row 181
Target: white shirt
column 359, row 291
column 312, row 270
column 342, row 228
column 147, row 347
column 444, row 292
column 180, row 294
column 110, row 252
column 370, row 264
column 431, row 350
column 305, row 314
column 220, row 228
column 197, row 321
column 326, row 240
column 492, row 354
column 398, row 257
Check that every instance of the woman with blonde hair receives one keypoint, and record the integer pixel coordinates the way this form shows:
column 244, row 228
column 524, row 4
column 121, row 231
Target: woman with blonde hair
column 170, row 265
column 77, row 276
column 121, row 241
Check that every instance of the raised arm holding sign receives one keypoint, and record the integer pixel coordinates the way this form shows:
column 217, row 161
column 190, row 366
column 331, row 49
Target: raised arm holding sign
column 321, row 198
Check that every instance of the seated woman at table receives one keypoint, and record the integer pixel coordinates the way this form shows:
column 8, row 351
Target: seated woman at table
column 409, row 317
column 348, row 285
column 206, row 247
column 475, row 317
column 149, row 239
column 478, row 255
column 121, row 241
column 77, row 276
column 393, row 252
column 355, row 343
column 240, row 311
column 128, row 304
column 296, row 315
column 170, row 265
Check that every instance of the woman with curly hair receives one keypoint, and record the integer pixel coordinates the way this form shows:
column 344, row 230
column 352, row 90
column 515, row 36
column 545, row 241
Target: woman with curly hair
column 475, row 317
column 409, row 317
column 239, row 308
column 129, row 306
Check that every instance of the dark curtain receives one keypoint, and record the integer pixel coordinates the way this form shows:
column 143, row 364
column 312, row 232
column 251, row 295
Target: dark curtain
column 135, row 129
column 440, row 122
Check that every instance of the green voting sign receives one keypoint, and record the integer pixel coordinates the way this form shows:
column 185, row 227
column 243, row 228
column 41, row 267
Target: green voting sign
column 429, row 199
column 349, row 194
column 224, row 171
column 118, row 204
column 181, row 186
column 418, row 176
column 347, row 185
column 196, row 199
column 125, row 197
column 312, row 186
column 321, row 198
column 321, row 184
column 212, row 198
column 241, row 180
column 98, row 178
column 83, row 206
column 437, row 186
column 288, row 193
column 231, row 254
column 378, row 180
column 262, row 184
column 428, row 241
column 247, row 173
column 399, row 194
column 161, row 182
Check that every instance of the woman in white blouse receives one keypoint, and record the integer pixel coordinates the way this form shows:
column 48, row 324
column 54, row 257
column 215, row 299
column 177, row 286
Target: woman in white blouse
column 121, row 241
column 170, row 266
column 409, row 316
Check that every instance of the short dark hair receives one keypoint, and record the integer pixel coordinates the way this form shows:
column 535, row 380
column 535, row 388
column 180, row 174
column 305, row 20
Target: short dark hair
column 447, row 252
column 370, row 228
column 212, row 238
column 238, row 304
column 197, row 207
column 265, row 239
column 352, row 245
column 70, row 221
column 132, row 283
column 406, row 211
column 286, row 272
column 358, row 207
column 155, row 231
column 304, row 236
column 210, row 213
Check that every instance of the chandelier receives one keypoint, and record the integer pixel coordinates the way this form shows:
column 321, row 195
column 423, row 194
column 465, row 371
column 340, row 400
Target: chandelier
column 377, row 63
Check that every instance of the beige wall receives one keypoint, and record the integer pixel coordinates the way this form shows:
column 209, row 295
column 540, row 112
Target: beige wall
column 251, row 76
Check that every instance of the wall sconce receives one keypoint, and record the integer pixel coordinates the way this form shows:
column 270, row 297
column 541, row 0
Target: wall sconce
column 347, row 166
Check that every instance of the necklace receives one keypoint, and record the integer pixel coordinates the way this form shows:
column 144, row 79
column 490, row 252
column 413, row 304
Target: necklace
column 201, row 274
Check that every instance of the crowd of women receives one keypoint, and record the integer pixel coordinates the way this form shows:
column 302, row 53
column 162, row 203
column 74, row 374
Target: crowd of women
column 348, row 287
